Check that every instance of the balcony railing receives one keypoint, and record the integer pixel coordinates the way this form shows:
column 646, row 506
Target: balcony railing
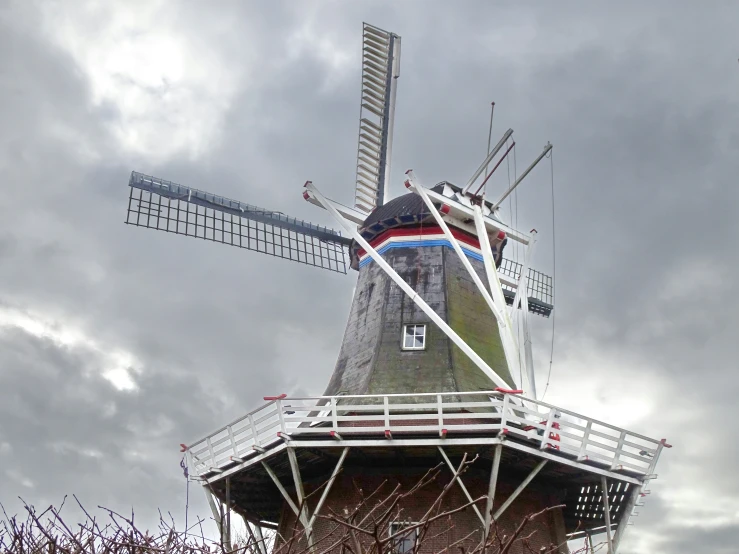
column 483, row 414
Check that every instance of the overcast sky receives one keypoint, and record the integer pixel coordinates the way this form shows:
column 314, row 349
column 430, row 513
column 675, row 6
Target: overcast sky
column 118, row 343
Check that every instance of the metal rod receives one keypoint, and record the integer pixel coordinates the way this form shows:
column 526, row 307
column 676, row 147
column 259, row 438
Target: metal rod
column 486, row 161
column 405, row 287
column 607, row 512
column 500, row 161
column 490, row 132
column 547, row 148
column 326, row 490
column 491, row 488
column 520, row 489
column 490, row 223
column 461, row 484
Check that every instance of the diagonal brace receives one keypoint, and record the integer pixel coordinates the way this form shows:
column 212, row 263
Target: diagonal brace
column 491, row 488
column 461, row 485
column 282, row 490
column 327, row 489
column 405, row 287
column 519, row 490
column 299, row 512
column 498, row 307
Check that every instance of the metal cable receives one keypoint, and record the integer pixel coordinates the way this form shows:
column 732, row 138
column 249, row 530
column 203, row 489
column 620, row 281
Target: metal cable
column 554, row 273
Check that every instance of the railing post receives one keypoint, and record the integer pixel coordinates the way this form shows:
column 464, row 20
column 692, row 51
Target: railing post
column 584, row 446
column 278, row 403
column 254, row 430
column 503, row 415
column 547, row 429
column 440, row 412
column 334, row 418
column 619, row 446
column 212, row 454
column 387, row 412
column 662, row 444
column 233, row 441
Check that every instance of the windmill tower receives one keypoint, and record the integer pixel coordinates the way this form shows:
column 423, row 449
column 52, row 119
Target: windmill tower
column 427, row 370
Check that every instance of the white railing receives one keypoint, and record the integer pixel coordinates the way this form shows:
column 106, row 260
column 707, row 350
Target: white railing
column 484, row 414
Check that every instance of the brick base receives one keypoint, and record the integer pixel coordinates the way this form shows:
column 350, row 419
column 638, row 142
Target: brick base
column 355, row 483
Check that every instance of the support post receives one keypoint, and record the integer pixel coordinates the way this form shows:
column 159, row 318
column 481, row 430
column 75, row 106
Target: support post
column 607, row 512
column 519, row 490
column 299, row 512
column 280, row 488
column 214, row 510
column 621, row 529
column 330, row 483
column 461, row 485
column 228, row 512
column 302, row 504
column 405, row 287
column 491, row 489
column 260, row 539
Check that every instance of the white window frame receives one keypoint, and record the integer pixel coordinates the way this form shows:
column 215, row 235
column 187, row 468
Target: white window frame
column 403, row 335
column 396, row 526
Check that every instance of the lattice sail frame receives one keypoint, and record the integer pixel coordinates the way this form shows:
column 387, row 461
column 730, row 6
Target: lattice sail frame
column 166, row 206
column 539, row 287
column 380, row 71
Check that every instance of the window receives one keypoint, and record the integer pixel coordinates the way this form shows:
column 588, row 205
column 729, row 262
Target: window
column 403, row 543
column 414, row 337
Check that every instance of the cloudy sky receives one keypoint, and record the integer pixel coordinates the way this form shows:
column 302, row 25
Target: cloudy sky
column 117, row 343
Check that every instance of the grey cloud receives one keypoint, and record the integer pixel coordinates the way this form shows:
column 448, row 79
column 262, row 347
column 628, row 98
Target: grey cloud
column 641, row 111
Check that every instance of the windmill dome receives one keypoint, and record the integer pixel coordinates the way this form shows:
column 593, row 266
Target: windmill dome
column 407, row 209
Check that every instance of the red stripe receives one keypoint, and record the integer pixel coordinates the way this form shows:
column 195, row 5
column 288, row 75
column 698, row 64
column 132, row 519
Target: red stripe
column 461, row 236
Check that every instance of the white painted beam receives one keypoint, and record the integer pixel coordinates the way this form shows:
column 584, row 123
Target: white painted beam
column 353, row 215
column 420, row 302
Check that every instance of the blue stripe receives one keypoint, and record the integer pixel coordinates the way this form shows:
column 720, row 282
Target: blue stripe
column 419, row 243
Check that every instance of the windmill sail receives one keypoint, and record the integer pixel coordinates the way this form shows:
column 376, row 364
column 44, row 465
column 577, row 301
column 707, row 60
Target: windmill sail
column 539, row 288
column 380, row 71
column 159, row 204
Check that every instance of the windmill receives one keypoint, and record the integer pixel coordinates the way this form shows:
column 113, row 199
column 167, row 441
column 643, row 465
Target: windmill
column 427, row 367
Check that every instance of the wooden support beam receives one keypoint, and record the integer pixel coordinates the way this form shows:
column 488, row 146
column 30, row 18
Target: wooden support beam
column 607, row 512
column 330, row 483
column 491, row 488
column 461, row 485
column 519, row 490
